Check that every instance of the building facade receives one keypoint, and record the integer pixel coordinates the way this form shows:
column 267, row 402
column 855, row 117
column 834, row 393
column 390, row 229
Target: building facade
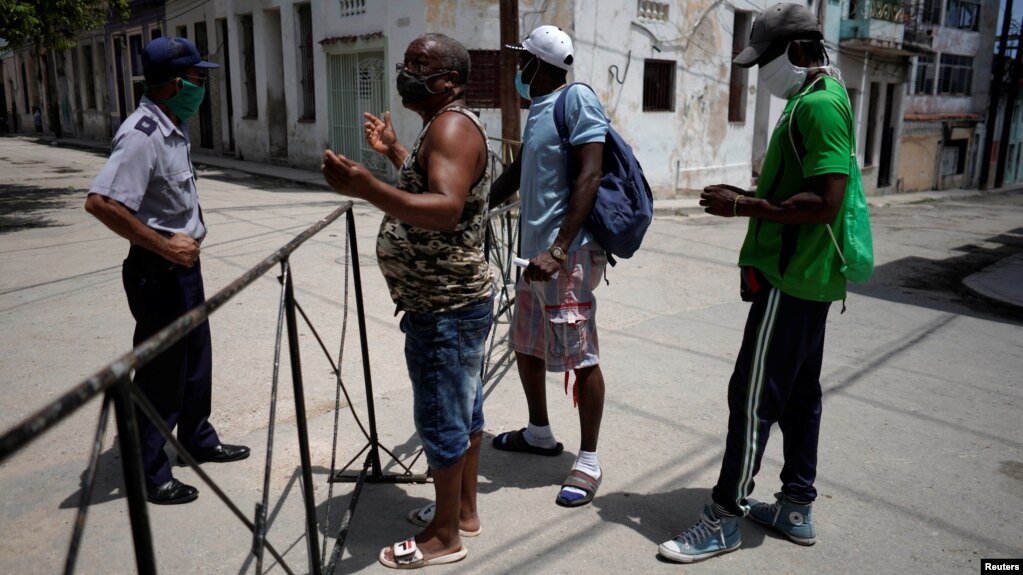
column 296, row 76
column 948, row 92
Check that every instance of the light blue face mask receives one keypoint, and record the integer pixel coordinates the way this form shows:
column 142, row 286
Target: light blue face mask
column 521, row 87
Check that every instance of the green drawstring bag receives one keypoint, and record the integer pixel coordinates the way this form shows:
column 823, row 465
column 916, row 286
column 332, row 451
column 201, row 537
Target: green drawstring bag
column 856, row 250
column 855, row 247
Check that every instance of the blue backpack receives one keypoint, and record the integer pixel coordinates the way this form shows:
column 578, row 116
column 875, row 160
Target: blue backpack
column 624, row 206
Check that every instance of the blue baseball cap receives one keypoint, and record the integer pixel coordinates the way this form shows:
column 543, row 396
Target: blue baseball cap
column 166, row 57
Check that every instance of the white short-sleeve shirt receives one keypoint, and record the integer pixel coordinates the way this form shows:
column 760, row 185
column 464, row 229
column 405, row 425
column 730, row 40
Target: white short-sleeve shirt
column 150, row 172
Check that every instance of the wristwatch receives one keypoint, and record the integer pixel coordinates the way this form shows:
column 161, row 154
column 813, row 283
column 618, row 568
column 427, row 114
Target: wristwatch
column 557, row 253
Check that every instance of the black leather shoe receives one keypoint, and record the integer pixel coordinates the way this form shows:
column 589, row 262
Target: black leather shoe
column 172, row 493
column 220, row 454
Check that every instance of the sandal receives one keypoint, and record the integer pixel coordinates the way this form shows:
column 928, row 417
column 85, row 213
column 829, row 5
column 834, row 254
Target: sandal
column 422, row 517
column 581, row 481
column 408, row 556
column 513, row 441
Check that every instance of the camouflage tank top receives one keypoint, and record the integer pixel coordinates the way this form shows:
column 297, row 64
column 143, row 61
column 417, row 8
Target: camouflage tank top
column 430, row 271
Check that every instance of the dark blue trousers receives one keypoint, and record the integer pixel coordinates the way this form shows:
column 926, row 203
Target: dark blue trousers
column 776, row 379
column 177, row 382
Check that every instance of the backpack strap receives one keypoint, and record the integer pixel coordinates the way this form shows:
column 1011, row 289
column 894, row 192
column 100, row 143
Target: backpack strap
column 559, row 113
column 566, row 145
column 795, row 150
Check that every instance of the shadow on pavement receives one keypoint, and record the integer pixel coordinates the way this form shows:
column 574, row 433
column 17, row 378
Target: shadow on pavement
column 938, row 284
column 109, row 484
column 22, row 207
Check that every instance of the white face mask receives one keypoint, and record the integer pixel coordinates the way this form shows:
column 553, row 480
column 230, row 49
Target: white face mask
column 784, row 79
column 781, row 77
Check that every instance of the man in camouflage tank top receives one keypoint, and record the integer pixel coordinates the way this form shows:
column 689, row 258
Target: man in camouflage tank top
column 430, row 249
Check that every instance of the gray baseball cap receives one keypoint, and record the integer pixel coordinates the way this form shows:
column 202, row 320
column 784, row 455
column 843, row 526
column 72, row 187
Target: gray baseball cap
column 776, row 25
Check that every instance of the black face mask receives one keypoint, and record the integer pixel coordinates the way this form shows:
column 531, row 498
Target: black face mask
column 413, row 88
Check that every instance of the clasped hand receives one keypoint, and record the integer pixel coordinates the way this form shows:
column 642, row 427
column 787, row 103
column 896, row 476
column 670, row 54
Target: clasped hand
column 541, row 268
column 182, row 249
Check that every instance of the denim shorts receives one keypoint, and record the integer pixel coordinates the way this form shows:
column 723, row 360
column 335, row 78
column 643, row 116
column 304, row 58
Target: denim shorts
column 444, row 353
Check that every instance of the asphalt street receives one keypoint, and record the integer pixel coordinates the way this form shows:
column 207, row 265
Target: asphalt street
column 921, row 454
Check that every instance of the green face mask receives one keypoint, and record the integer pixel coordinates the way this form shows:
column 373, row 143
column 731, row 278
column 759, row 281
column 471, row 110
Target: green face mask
column 185, row 103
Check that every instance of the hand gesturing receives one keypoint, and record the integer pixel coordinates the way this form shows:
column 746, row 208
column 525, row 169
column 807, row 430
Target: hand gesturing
column 380, row 134
column 347, row 177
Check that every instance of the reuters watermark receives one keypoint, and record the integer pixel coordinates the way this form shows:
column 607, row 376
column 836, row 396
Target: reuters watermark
column 1001, row 566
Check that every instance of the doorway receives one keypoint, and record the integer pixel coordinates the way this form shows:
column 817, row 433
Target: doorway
column 356, row 83
column 884, row 164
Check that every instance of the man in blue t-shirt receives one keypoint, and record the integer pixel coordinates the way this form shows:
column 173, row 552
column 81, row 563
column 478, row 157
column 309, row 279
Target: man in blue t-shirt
column 554, row 328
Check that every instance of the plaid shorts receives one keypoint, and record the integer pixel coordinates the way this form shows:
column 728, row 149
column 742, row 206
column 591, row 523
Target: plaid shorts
column 556, row 320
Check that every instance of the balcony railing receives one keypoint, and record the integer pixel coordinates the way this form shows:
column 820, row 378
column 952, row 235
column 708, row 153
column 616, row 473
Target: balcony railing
column 876, row 25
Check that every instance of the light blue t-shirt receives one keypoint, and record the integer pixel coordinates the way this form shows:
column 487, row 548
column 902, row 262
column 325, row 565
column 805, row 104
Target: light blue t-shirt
column 544, row 183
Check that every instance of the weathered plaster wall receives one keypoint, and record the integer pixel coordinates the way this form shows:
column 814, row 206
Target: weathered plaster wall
column 694, row 145
column 920, row 147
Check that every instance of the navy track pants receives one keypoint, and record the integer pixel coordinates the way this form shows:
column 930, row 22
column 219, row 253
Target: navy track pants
column 776, row 379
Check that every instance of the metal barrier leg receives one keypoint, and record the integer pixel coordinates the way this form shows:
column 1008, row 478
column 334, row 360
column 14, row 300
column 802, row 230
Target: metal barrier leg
column 134, row 482
column 373, row 460
column 312, row 538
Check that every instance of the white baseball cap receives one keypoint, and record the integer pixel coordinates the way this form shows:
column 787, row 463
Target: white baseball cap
column 550, row 44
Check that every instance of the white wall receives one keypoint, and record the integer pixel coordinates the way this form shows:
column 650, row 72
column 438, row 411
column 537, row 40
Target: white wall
column 695, row 145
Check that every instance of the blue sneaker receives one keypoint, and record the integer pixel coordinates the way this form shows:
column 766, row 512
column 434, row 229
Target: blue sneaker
column 793, row 520
column 709, row 537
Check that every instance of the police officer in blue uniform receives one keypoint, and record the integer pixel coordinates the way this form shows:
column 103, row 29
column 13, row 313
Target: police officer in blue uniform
column 146, row 193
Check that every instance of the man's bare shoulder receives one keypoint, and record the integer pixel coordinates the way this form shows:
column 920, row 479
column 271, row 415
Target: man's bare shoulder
column 452, row 130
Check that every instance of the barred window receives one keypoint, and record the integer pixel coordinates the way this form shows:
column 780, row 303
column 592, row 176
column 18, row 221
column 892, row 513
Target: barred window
column 956, row 75
column 484, row 89
column 485, row 80
column 924, row 81
column 307, row 74
column 89, row 79
column 135, row 47
column 659, row 86
column 929, row 11
column 963, row 14
column 739, row 82
column 249, row 65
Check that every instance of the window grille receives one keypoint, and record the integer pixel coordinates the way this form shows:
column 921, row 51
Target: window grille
column 307, row 75
column 659, row 86
column 249, row 65
column 963, row 14
column 90, row 77
column 956, row 75
column 924, row 81
column 739, row 81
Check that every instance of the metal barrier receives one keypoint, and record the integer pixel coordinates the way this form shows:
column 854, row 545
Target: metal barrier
column 115, row 384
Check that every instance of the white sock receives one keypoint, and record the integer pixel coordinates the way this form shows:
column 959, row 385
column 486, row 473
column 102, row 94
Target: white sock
column 538, row 436
column 588, row 464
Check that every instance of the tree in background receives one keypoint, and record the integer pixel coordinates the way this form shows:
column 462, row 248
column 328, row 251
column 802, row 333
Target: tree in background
column 52, row 25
